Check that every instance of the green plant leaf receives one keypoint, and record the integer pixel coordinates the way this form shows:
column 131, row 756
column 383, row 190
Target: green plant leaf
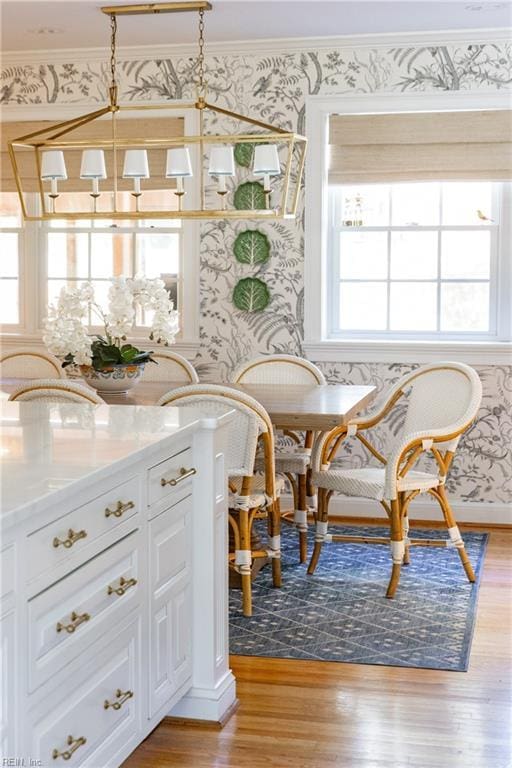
column 243, row 154
column 251, row 294
column 252, row 247
column 128, row 353
column 250, row 196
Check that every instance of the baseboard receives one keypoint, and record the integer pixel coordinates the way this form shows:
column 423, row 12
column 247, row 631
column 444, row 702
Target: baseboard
column 215, row 725
column 479, row 513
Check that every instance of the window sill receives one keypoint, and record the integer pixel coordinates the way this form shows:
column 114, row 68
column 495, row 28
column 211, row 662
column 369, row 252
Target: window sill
column 383, row 351
column 10, row 341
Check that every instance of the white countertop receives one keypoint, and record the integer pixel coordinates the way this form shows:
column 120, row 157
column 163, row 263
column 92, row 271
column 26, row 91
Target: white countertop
column 45, row 448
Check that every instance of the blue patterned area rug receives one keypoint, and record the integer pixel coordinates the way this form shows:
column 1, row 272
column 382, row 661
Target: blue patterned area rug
column 340, row 613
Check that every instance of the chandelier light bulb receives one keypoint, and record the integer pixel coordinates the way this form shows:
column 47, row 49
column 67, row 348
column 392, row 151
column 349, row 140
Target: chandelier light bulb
column 222, row 161
column 178, row 167
column 266, row 163
column 222, row 164
column 178, row 163
column 136, row 167
column 53, row 167
column 93, row 167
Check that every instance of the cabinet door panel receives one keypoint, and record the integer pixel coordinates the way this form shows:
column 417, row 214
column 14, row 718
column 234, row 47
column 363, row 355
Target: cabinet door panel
column 7, row 691
column 95, row 711
column 168, row 472
column 170, row 630
column 52, row 546
column 66, row 618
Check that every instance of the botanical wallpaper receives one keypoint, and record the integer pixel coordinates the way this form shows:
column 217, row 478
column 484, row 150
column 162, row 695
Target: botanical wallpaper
column 274, row 87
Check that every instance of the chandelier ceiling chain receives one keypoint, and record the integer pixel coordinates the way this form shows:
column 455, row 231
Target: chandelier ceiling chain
column 201, row 85
column 113, row 62
column 254, row 172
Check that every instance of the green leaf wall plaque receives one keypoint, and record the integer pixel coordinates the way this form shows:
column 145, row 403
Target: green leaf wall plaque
column 252, row 247
column 243, row 154
column 250, row 197
column 251, row 295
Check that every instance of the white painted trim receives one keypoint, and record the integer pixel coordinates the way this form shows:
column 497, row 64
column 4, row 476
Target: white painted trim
column 261, row 46
column 384, row 351
column 318, row 110
column 483, row 513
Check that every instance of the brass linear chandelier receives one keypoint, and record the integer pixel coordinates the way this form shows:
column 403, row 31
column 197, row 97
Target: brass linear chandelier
column 226, row 176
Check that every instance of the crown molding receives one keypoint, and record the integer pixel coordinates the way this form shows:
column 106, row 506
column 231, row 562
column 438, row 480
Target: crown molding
column 264, row 46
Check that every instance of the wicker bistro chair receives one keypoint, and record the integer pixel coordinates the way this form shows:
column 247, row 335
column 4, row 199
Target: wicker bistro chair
column 251, row 495
column 171, row 367
column 56, row 391
column 287, row 369
column 443, row 400
column 30, row 364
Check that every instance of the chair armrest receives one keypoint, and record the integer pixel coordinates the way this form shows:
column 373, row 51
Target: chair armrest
column 419, row 442
column 377, row 412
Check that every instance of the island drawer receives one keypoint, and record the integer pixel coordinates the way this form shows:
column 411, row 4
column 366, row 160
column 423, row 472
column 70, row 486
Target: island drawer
column 60, row 540
column 171, row 477
column 95, row 711
column 73, row 613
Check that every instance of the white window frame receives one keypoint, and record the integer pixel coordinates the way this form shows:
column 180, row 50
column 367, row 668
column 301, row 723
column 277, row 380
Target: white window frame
column 32, row 241
column 318, row 345
column 501, row 201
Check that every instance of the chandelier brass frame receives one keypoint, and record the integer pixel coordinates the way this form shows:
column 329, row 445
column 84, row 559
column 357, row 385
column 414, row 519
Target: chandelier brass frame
column 58, row 137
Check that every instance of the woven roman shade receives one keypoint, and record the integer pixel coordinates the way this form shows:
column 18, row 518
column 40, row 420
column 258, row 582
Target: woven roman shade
column 447, row 146
column 130, row 128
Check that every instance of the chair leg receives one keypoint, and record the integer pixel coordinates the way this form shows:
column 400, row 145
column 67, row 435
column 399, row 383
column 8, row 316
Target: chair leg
column 405, row 529
column 274, row 532
column 397, row 547
column 454, row 532
column 321, row 528
column 311, row 496
column 244, row 561
column 301, row 518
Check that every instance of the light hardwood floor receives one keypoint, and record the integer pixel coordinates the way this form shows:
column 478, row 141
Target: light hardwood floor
column 301, row 714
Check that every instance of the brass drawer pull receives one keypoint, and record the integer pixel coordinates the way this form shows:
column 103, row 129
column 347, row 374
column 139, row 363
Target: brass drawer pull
column 124, row 584
column 71, row 539
column 76, row 620
column 184, row 473
column 122, row 696
column 68, row 753
column 120, row 509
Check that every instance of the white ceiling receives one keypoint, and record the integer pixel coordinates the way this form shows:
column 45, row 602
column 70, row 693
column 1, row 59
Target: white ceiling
column 32, row 25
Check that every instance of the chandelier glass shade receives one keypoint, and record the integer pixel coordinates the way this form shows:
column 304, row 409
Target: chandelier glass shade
column 253, row 172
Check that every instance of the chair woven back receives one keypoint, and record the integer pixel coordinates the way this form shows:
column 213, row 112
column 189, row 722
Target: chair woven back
column 30, row 364
column 441, row 396
column 278, row 369
column 250, row 420
column 171, row 367
column 56, row 391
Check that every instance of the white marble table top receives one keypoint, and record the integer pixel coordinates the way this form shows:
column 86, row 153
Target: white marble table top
column 45, row 448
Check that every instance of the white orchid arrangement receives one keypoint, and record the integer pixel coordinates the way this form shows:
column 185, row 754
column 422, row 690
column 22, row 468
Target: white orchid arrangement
column 66, row 334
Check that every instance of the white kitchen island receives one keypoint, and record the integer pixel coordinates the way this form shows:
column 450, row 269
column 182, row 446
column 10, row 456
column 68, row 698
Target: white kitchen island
column 113, row 592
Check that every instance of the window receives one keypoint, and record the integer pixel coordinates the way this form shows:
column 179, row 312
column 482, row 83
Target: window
column 69, row 252
column 11, row 233
column 414, row 259
column 98, row 250
column 399, row 265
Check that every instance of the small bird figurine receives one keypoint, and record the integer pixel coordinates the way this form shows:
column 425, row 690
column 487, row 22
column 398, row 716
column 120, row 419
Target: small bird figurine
column 482, row 216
